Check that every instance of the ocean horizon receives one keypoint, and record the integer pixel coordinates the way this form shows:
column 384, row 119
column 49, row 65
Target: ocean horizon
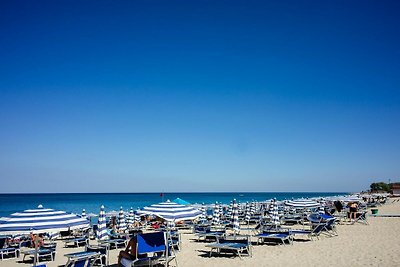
column 91, row 202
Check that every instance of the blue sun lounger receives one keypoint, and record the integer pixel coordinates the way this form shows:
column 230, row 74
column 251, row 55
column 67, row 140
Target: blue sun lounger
column 273, row 236
column 81, row 259
column 237, row 245
column 152, row 249
column 9, row 252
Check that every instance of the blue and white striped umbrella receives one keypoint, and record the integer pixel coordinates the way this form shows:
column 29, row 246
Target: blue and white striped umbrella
column 83, row 213
column 275, row 215
column 247, row 215
column 216, row 214
column 171, row 211
column 136, row 217
column 235, row 217
column 203, row 215
column 253, row 208
column 130, row 218
column 229, row 213
column 302, row 203
column 41, row 220
column 121, row 226
column 101, row 225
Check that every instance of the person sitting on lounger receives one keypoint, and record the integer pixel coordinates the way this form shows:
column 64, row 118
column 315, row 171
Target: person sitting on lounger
column 129, row 252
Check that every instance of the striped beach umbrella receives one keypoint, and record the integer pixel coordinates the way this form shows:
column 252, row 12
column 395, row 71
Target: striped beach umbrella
column 275, row 215
column 203, row 215
column 253, row 208
column 83, row 213
column 248, row 215
column 130, row 218
column 302, row 203
column 101, row 225
column 235, row 217
column 41, row 220
column 216, row 214
column 229, row 213
column 171, row 211
column 121, row 226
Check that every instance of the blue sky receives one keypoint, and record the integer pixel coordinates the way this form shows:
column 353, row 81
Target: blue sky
column 148, row 96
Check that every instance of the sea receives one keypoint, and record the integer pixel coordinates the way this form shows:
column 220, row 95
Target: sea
column 91, row 202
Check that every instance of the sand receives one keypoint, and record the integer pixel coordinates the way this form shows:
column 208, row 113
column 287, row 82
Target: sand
column 376, row 244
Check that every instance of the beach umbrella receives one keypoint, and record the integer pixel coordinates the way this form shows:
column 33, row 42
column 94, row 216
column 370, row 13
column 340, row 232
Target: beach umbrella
column 229, row 213
column 41, row 220
column 253, row 208
column 235, row 217
column 321, row 209
column 171, row 211
column 130, row 218
column 101, row 225
column 203, row 215
column 302, row 203
column 216, row 214
column 83, row 213
column 221, row 212
column 275, row 215
column 121, row 226
column 180, row 201
column 248, row 215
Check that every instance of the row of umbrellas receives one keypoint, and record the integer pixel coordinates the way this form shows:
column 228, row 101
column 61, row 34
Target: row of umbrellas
column 49, row 220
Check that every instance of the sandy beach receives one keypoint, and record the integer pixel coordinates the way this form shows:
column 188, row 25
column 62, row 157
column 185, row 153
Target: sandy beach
column 376, row 244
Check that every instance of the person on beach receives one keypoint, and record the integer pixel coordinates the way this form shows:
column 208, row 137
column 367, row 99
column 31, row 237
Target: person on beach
column 130, row 251
column 353, row 210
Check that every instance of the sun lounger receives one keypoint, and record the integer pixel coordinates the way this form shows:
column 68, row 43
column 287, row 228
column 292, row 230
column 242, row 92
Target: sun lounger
column 114, row 243
column 6, row 253
column 152, row 250
column 279, row 237
column 81, row 259
column 314, row 232
column 76, row 242
column 237, row 245
column 361, row 217
column 42, row 254
column 103, row 258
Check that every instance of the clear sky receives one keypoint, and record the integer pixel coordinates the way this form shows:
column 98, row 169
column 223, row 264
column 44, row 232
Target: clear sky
column 139, row 96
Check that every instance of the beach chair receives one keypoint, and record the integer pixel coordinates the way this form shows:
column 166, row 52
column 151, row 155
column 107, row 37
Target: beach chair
column 103, row 250
column 237, row 245
column 274, row 236
column 361, row 217
column 8, row 252
column 314, row 232
column 76, row 242
column 81, row 259
column 43, row 254
column 151, row 249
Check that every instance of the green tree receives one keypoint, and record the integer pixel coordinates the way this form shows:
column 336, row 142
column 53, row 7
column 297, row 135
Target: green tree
column 380, row 186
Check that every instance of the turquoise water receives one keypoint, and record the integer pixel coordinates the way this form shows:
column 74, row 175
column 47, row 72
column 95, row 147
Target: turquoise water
column 10, row 203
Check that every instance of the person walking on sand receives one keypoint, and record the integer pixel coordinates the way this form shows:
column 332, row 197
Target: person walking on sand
column 353, row 210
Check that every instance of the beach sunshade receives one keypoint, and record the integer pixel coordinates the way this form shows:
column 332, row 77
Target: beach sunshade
column 321, row 210
column 203, row 215
column 130, row 217
column 248, row 215
column 41, row 220
column 235, row 217
column 121, row 226
column 181, row 201
column 101, row 225
column 171, row 211
column 275, row 215
column 83, row 213
column 216, row 214
column 253, row 208
column 302, row 203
